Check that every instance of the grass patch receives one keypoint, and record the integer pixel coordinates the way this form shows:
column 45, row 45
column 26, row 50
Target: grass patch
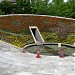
column 6, row 30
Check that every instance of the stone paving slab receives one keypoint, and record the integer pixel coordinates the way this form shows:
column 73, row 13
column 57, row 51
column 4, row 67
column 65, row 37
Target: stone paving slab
column 17, row 63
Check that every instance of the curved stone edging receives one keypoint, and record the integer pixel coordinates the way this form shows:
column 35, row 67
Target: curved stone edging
column 36, row 15
column 26, row 46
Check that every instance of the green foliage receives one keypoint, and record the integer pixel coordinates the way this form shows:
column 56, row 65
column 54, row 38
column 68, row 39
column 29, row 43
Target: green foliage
column 26, row 32
column 53, row 37
column 55, row 8
column 17, row 43
column 22, row 7
column 70, row 39
column 57, row 1
column 41, row 7
column 5, row 30
column 6, row 7
column 1, row 12
column 20, row 40
column 50, row 37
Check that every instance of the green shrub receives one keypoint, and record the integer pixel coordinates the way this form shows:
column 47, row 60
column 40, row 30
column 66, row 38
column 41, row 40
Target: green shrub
column 53, row 37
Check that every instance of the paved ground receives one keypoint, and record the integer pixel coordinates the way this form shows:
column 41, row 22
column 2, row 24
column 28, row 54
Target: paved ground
column 13, row 62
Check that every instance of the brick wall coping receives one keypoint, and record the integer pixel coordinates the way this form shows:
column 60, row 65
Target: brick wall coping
column 36, row 15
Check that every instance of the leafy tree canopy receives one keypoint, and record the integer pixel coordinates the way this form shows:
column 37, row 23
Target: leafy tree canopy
column 54, row 8
column 7, row 7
